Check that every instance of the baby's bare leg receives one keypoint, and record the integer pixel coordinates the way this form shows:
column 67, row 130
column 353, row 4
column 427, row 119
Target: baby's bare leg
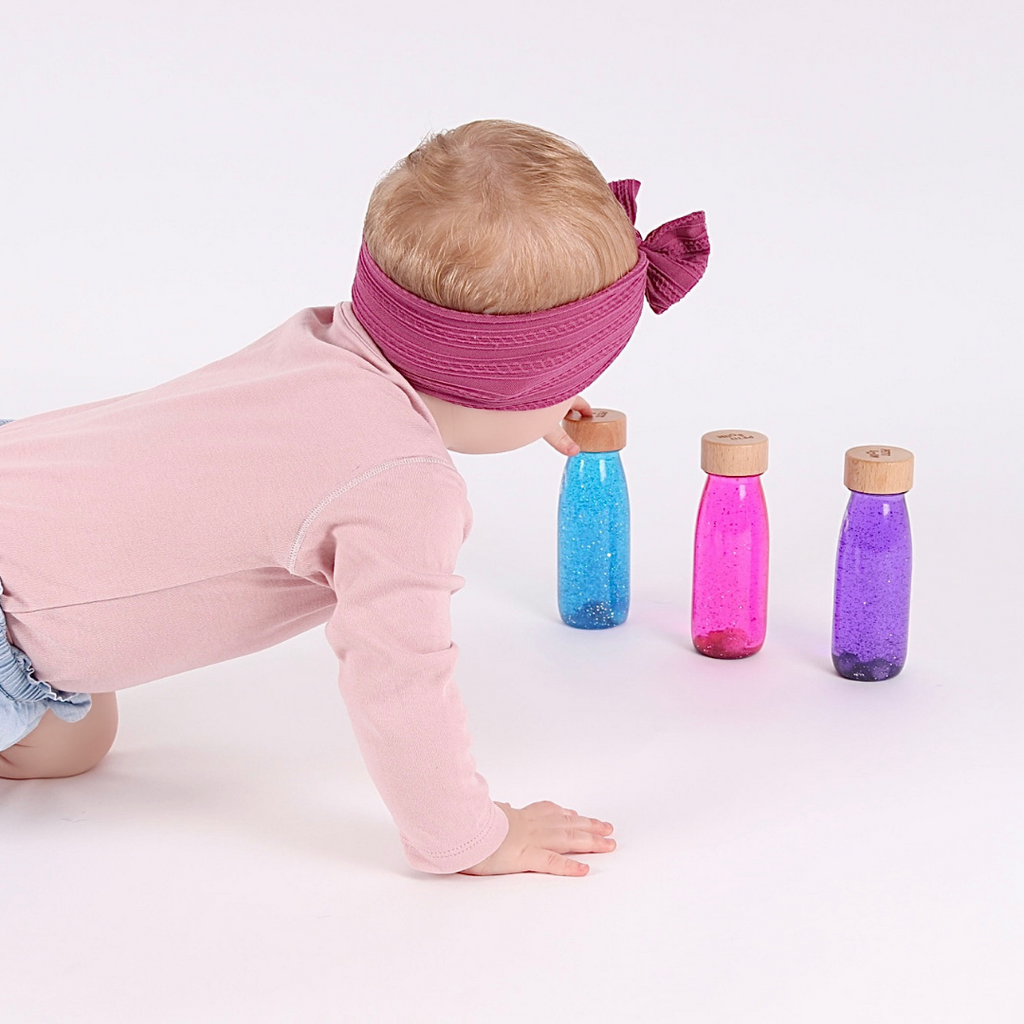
column 55, row 748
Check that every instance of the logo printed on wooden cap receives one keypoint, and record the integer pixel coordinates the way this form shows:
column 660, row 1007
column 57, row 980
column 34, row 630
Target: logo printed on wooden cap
column 734, row 453
column 879, row 469
column 605, row 431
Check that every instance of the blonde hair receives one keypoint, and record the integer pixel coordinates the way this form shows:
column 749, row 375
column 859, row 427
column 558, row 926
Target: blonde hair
column 498, row 217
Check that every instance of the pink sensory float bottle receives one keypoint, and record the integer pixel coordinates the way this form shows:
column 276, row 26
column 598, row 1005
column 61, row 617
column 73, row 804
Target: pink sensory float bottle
column 730, row 552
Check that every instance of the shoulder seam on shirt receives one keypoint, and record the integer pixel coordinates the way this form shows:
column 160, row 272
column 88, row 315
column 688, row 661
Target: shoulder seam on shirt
column 293, row 556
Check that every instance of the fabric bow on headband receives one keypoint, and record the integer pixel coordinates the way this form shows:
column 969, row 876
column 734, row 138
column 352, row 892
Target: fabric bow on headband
column 515, row 361
column 677, row 252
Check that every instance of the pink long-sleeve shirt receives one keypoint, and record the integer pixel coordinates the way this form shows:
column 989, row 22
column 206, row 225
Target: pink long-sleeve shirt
column 297, row 482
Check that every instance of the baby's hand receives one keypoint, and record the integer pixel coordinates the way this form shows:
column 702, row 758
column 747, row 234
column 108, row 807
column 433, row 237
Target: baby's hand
column 558, row 438
column 539, row 835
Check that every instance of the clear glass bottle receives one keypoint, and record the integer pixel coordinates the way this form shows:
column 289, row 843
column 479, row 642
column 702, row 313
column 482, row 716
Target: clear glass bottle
column 730, row 551
column 593, row 525
column 871, row 614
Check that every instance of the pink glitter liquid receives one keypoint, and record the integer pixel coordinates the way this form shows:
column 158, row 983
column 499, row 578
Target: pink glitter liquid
column 730, row 568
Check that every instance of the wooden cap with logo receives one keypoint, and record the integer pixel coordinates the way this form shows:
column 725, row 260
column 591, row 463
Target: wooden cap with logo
column 605, row 431
column 879, row 469
column 734, row 453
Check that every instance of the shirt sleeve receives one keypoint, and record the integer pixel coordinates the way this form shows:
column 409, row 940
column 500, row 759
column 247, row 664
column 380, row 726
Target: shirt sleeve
column 387, row 546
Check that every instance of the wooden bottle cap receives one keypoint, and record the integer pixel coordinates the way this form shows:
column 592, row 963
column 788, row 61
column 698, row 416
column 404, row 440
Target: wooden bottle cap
column 875, row 469
column 734, row 453
column 605, row 431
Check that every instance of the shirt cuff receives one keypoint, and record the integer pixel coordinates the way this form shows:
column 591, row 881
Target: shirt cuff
column 479, row 848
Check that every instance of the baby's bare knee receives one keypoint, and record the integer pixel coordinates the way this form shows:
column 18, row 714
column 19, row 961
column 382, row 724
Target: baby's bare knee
column 56, row 749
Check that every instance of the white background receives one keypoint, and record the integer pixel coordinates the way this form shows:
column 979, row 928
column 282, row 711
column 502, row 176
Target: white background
column 179, row 179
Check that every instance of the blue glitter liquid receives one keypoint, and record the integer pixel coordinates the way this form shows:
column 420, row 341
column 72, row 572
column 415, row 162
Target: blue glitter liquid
column 593, row 542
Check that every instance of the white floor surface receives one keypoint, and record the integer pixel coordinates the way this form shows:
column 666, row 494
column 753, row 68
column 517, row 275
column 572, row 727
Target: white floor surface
column 179, row 178
column 793, row 847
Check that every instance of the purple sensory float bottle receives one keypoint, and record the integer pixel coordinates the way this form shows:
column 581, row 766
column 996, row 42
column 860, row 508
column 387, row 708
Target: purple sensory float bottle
column 593, row 525
column 872, row 596
column 730, row 551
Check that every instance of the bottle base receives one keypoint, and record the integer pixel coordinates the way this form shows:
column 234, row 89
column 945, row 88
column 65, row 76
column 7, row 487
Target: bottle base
column 726, row 644
column 594, row 615
column 850, row 666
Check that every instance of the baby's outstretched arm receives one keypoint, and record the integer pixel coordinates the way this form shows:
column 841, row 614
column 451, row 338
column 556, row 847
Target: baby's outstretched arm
column 539, row 836
column 387, row 544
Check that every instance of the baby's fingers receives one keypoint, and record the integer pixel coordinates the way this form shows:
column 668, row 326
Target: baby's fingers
column 558, row 438
column 580, row 407
column 562, row 442
column 595, row 825
column 576, row 840
column 548, row 862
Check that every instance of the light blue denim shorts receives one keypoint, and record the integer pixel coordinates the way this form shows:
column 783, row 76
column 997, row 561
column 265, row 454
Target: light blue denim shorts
column 23, row 698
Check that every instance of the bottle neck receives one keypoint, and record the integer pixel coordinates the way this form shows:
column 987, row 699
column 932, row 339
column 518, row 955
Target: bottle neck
column 594, row 456
column 879, row 502
column 876, row 520
column 733, row 483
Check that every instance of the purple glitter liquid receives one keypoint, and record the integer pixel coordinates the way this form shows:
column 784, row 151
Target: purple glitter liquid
column 730, row 568
column 872, row 597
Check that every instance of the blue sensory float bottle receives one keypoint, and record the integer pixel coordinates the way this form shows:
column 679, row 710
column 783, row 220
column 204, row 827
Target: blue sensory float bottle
column 871, row 614
column 593, row 525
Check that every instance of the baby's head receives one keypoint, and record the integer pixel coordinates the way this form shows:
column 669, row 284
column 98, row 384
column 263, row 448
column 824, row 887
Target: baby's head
column 497, row 217
column 501, row 274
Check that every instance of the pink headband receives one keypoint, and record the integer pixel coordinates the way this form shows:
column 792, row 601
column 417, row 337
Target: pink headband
column 528, row 360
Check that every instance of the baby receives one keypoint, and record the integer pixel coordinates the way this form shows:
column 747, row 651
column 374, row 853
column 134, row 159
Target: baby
column 306, row 480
